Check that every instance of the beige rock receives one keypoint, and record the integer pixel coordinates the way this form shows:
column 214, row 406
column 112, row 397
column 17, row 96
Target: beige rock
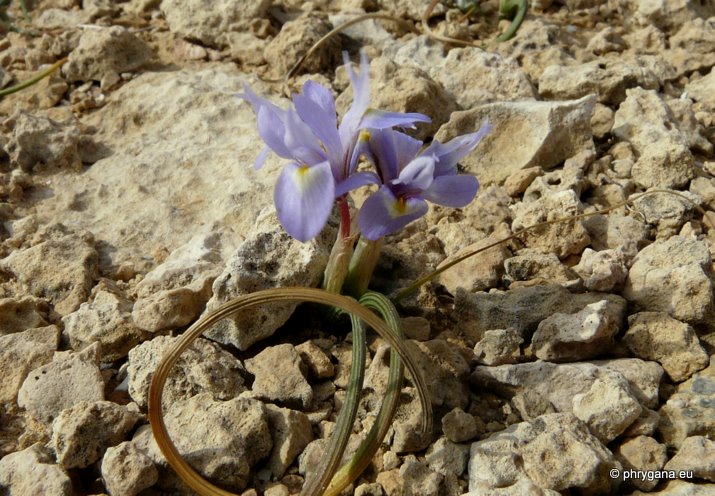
column 607, row 78
column 210, row 22
column 517, row 183
column 680, row 488
column 17, row 315
column 295, row 39
column 479, row 272
column 585, row 334
column 161, row 127
column 563, row 238
column 204, row 367
column 617, row 231
column 444, row 370
column 71, row 377
column 646, row 39
column 642, row 453
column 408, row 437
column 317, row 361
column 673, row 344
column 498, row 347
column 547, row 451
column 107, row 319
column 672, row 276
column 688, row 412
column 418, row 478
column 102, row 55
column 605, row 41
column 666, row 210
column 568, row 178
column 269, row 257
column 81, row 433
column 127, row 471
column 291, row 432
column 608, row 407
column 37, row 143
column 22, row 352
column 31, row 471
column 549, row 132
column 602, row 270
column 645, row 425
column 175, row 293
column 459, row 426
column 279, row 376
column 664, row 14
column 529, row 266
column 696, row 454
column 701, row 90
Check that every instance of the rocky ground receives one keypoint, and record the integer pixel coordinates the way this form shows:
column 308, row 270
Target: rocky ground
column 556, row 364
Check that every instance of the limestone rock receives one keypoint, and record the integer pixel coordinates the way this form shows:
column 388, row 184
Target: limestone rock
column 581, row 335
column 22, row 352
column 269, row 257
column 221, row 439
column 689, row 412
column 210, row 22
column 604, row 270
column 607, row 78
column 521, row 308
column 127, row 471
column 498, row 346
column 672, row 276
column 74, row 257
column 204, row 367
column 447, row 458
column 31, row 471
column 107, row 319
column 701, row 90
column 665, row 14
column 20, row 314
column 530, row 265
column 479, row 272
column 81, row 433
column 608, row 407
column 175, row 293
column 668, row 212
column 444, row 370
column 71, row 377
column 295, row 39
column 317, row 361
column 563, row 238
column 279, row 376
column 555, row 452
column 408, row 437
column 38, row 143
column 673, row 344
column 161, row 127
column 617, row 231
column 520, row 180
column 418, row 478
column 549, row 133
column 459, row 426
column 642, row 453
column 102, row 55
column 647, row 122
column 568, row 178
column 291, row 432
column 696, row 453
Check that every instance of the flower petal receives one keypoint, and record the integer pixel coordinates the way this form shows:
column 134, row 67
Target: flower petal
column 417, row 175
column 383, row 213
column 452, row 191
column 316, row 107
column 354, row 181
column 261, row 158
column 304, row 197
column 360, row 83
column 300, row 140
column 272, row 130
column 447, row 155
column 390, row 150
column 381, row 119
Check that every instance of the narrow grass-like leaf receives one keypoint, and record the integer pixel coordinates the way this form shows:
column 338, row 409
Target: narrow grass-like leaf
column 319, row 480
column 31, row 81
column 365, row 453
column 156, row 389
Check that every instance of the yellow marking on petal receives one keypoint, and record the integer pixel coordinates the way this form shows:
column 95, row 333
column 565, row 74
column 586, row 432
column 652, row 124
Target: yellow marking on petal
column 398, row 208
column 303, row 178
column 364, row 135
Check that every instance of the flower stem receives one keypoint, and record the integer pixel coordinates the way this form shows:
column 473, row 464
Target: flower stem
column 337, row 268
column 361, row 267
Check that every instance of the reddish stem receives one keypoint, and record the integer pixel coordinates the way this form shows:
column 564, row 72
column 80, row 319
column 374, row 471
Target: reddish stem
column 344, row 217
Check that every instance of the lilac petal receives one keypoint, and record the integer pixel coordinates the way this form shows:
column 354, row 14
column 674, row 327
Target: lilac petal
column 383, row 213
column 418, row 174
column 316, row 108
column 256, row 101
column 381, row 119
column 354, row 181
column 261, row 158
column 300, row 140
column 447, row 155
column 272, row 130
column 361, row 99
column 390, row 150
column 304, row 197
column 452, row 191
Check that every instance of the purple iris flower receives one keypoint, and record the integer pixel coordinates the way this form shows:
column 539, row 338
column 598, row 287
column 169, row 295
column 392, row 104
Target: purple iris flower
column 324, row 155
column 407, row 179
